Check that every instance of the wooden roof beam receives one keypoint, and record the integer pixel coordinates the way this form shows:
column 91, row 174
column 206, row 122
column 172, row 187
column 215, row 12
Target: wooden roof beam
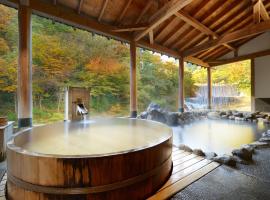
column 80, row 6
column 105, row 2
column 260, row 12
column 239, row 58
column 69, row 17
column 145, row 9
column 129, row 28
column 196, row 61
column 124, row 11
column 171, row 38
column 151, row 37
column 162, row 14
column 201, row 27
column 230, row 37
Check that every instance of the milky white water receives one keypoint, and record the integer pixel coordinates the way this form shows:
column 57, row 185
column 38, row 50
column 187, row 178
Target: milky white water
column 102, row 136
column 220, row 136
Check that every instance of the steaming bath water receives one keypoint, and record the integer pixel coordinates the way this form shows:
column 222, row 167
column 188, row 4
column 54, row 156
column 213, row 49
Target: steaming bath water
column 220, row 136
column 94, row 137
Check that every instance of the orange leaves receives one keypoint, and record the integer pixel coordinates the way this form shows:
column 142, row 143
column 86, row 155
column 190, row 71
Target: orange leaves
column 5, row 16
column 4, row 48
column 104, row 65
column 8, row 76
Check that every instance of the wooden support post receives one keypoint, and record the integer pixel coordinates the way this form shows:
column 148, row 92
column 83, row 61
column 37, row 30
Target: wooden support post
column 24, row 67
column 252, row 86
column 209, row 88
column 181, row 85
column 133, row 85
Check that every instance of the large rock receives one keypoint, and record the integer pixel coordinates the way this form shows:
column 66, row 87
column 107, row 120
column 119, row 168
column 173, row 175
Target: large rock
column 261, row 116
column 172, row 118
column 226, row 160
column 266, row 134
column 239, row 160
column 249, row 148
column 229, row 112
column 198, row 152
column 243, row 153
column 156, row 115
column 239, row 114
column 185, row 148
column 249, row 117
column 210, row 155
column 264, row 139
column 153, row 106
column 222, row 113
column 213, row 115
column 143, row 115
column 259, row 145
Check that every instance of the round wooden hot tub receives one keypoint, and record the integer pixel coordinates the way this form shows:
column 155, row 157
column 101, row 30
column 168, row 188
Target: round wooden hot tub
column 100, row 159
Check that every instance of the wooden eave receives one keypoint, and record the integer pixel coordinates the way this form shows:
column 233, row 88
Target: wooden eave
column 176, row 28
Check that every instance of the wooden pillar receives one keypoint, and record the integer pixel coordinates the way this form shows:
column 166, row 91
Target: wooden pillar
column 209, row 88
column 252, row 86
column 181, row 85
column 133, row 84
column 24, row 90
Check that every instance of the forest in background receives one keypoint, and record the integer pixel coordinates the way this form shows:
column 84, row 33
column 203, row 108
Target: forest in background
column 64, row 56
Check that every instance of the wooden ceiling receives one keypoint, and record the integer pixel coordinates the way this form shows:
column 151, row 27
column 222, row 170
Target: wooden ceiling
column 198, row 30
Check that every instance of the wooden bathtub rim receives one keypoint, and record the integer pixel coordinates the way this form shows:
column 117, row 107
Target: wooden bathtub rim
column 89, row 190
column 13, row 147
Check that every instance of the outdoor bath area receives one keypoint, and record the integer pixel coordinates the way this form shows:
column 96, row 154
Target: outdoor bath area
column 134, row 100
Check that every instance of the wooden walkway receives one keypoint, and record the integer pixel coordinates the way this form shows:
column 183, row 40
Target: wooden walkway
column 187, row 168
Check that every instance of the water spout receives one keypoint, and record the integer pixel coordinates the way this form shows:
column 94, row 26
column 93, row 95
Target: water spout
column 81, row 110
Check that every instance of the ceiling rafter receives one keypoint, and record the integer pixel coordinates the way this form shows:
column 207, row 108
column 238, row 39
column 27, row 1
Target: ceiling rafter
column 80, row 6
column 130, row 28
column 243, row 20
column 239, row 58
column 162, row 14
column 124, row 11
column 145, row 9
column 230, row 37
column 238, row 44
column 259, row 12
column 203, row 15
column 242, row 24
column 165, row 30
column 198, row 25
column 151, row 37
column 105, row 2
column 206, row 16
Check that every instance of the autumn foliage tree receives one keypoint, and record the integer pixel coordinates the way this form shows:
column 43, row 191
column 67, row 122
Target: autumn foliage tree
column 64, row 56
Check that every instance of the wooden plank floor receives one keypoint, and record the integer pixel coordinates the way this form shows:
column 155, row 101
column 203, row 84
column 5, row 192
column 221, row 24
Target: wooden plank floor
column 187, row 168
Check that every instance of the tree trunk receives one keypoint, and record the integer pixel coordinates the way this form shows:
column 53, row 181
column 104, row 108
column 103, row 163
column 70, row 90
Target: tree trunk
column 15, row 103
column 40, row 102
column 59, row 101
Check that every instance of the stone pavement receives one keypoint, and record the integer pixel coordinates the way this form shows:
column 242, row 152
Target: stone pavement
column 247, row 182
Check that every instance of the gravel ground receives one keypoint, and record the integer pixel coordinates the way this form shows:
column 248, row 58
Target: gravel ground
column 247, row 182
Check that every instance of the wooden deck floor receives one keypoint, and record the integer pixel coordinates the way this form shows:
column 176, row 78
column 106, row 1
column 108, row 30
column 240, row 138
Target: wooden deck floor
column 187, row 168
